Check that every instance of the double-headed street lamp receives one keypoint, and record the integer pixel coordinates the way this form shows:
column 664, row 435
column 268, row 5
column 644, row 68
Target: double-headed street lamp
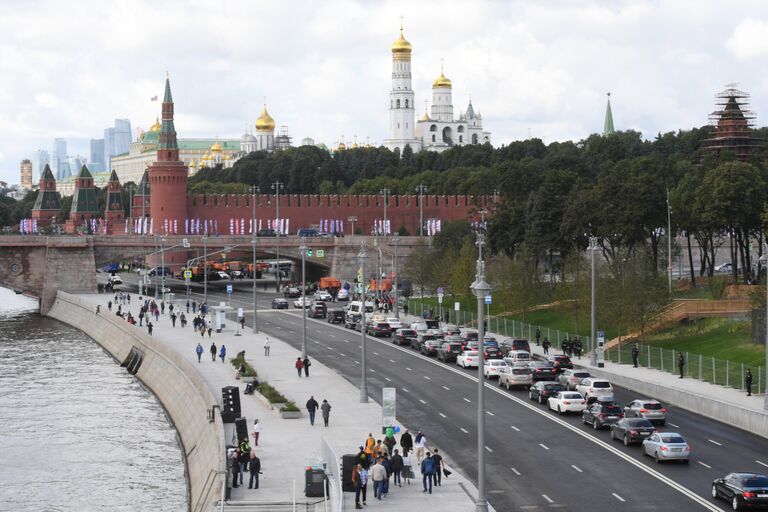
column 481, row 289
column 303, row 251
column 420, row 190
column 395, row 277
column 592, row 250
column 363, row 254
column 255, row 190
column 277, row 187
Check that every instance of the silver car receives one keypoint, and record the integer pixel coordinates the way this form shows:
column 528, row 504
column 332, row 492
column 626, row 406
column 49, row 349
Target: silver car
column 516, row 376
column 651, row 410
column 667, row 446
column 569, row 378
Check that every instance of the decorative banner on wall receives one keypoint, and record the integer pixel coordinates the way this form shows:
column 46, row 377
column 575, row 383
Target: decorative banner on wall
column 433, row 226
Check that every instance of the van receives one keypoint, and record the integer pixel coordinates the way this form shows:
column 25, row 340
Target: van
column 510, row 344
column 517, row 356
column 356, row 306
column 307, row 232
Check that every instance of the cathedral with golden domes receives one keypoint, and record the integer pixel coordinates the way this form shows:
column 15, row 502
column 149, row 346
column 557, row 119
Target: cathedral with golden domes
column 436, row 130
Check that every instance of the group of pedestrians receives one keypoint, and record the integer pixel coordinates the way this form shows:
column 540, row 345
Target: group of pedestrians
column 244, row 459
column 313, row 406
column 221, row 351
column 301, row 364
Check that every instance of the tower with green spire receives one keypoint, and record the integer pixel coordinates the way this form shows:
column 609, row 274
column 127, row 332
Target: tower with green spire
column 48, row 202
column 608, row 125
column 83, row 202
column 114, row 212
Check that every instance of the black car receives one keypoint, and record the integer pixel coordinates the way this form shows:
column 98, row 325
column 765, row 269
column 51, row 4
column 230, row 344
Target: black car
column 632, row 430
column 266, row 232
column 448, row 352
column 429, row 347
column 542, row 390
column 542, row 370
column 378, row 329
column 279, row 303
column 404, row 336
column 515, row 344
column 560, row 362
column 318, row 310
column 742, row 490
column 492, row 352
column 335, row 316
column 292, row 293
column 601, row 414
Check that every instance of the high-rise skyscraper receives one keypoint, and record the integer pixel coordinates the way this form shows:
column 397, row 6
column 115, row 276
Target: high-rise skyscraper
column 39, row 160
column 26, row 174
column 96, row 163
column 117, row 141
column 59, row 164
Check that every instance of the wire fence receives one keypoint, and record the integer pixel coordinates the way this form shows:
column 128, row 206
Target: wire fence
column 697, row 366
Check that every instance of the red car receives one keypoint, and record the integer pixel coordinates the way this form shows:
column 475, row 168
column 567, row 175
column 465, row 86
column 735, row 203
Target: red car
column 560, row 362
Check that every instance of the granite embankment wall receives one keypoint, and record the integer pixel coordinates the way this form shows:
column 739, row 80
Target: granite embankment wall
column 186, row 397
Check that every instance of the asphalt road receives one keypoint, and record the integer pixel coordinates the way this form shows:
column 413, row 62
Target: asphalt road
column 535, row 458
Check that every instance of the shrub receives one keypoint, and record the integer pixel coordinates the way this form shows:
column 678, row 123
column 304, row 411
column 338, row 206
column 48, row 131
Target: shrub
column 290, row 406
column 239, row 360
column 271, row 394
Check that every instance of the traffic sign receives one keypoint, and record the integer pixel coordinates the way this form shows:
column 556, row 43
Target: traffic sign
column 440, row 298
column 309, row 253
column 321, row 253
column 185, row 243
column 187, row 274
column 229, row 289
column 457, row 306
column 488, row 299
column 440, row 291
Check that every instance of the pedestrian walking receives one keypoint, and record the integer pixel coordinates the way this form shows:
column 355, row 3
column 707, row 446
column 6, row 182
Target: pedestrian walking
column 378, row 475
column 370, row 446
column 389, row 444
column 266, row 346
column 420, row 443
column 255, row 469
column 325, row 409
column 187, row 305
column 149, row 328
column 209, row 329
column 199, row 351
column 242, row 322
column 312, row 407
column 407, row 469
column 748, row 382
column 162, row 307
column 213, row 352
column 406, row 441
column 427, row 470
column 98, row 308
column 202, row 331
column 306, row 365
column 397, row 467
column 256, row 432
column 538, row 335
column 635, row 355
column 109, row 305
column 360, row 480
column 545, row 345
column 170, row 309
column 681, row 363
column 245, row 450
column 222, row 352
column 405, row 309
column 299, row 365
column 173, row 319
column 437, row 476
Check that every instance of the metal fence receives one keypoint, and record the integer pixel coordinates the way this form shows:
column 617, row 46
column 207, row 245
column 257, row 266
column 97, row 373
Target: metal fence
column 705, row 368
column 333, row 473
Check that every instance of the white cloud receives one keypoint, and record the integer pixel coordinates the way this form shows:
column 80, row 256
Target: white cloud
column 749, row 39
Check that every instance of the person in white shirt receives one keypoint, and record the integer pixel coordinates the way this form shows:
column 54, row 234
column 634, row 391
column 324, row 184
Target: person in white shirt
column 420, row 445
column 256, row 432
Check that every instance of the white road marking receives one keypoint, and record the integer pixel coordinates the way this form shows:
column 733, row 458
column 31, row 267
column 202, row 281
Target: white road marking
column 347, row 341
column 544, row 446
column 428, row 378
column 342, row 354
column 375, row 353
column 464, row 430
column 441, row 415
column 467, row 400
column 762, row 463
column 491, row 451
column 357, row 362
column 314, row 341
column 331, row 335
column 547, row 498
column 422, row 401
column 278, row 327
column 329, row 348
column 577, row 468
column 705, row 465
column 714, row 442
column 446, row 388
column 673, row 425
column 372, row 370
column 391, row 360
column 405, row 390
column 515, row 471
column 618, row 497
column 409, row 369
column 489, row 413
column 387, row 379
column 514, row 428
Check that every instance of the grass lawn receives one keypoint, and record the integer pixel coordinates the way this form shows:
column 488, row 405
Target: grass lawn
column 564, row 317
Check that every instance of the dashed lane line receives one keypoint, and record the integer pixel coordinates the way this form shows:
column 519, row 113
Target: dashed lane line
column 342, row 354
column 550, row 500
column 489, row 450
column 428, row 378
column 375, row 353
column 422, row 401
column 405, row 390
column 673, row 425
column 441, row 415
column 409, row 369
column 446, row 388
column 357, row 362
column 489, row 413
column 387, row 379
column 714, row 442
column 618, row 497
column 392, row 361
column 467, row 400
column 464, row 430
column 705, row 465
column 577, row 468
column 515, row 471
column 762, row 463
column 514, row 428
column 372, row 370
column 544, row 446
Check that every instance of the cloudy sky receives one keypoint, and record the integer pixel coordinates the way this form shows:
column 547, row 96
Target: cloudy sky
column 69, row 68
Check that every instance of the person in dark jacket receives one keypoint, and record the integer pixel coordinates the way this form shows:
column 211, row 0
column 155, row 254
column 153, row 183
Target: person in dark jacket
column 213, row 352
column 306, row 363
column 748, row 382
column 681, row 364
column 235, row 458
column 325, row 409
column 397, row 467
column 255, row 469
column 437, row 476
column 312, row 407
column 427, row 470
column 635, row 355
column 406, row 441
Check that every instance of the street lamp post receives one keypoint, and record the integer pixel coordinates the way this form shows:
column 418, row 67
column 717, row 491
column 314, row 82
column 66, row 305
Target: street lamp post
column 481, row 289
column 592, row 250
column 205, row 269
column 421, row 189
column 156, row 276
column 352, row 219
column 255, row 190
column 303, row 251
column 162, row 265
column 385, row 192
column 395, row 278
column 277, row 186
column 764, row 259
column 363, row 254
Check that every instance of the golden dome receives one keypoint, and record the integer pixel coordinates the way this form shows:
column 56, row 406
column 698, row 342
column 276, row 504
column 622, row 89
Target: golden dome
column 441, row 82
column 401, row 48
column 425, row 117
column 265, row 121
column 341, row 146
column 192, row 163
column 216, row 148
column 156, row 127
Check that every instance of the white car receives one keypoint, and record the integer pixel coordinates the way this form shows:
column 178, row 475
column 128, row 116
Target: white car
column 494, row 368
column 592, row 387
column 567, row 401
column 468, row 359
column 323, row 296
column 343, row 294
column 394, row 323
column 113, row 280
column 298, row 303
column 222, row 275
column 667, row 446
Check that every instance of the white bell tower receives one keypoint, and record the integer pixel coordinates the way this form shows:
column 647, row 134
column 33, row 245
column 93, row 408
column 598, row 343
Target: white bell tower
column 402, row 111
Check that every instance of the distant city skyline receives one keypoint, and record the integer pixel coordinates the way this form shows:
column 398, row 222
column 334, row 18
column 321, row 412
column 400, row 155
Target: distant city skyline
column 324, row 68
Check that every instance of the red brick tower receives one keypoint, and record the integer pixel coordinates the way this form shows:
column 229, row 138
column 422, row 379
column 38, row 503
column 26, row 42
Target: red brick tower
column 84, row 207
column 168, row 177
column 733, row 125
column 114, row 212
column 48, row 203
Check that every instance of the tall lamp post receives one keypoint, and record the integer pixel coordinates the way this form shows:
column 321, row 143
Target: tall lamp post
column 303, row 251
column 385, row 192
column 205, row 269
column 363, row 254
column 162, row 265
column 255, row 190
column 156, row 272
column 592, row 250
column 395, row 277
column 481, row 289
column 352, row 219
column 277, row 186
column 764, row 260
column 420, row 190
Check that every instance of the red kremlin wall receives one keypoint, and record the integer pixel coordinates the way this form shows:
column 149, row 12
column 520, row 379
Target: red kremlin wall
column 307, row 210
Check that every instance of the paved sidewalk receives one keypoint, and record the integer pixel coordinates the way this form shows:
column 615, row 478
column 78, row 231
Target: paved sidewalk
column 286, row 447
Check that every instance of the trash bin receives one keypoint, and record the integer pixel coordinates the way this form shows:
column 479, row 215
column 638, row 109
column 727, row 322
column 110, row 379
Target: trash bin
column 315, row 479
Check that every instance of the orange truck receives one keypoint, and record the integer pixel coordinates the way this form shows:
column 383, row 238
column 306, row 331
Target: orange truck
column 329, row 282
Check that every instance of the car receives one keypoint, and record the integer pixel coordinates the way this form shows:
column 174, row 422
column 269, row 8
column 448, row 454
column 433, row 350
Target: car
column 542, row 390
column 742, row 490
column 724, row 268
column 352, row 321
column 494, row 367
column 570, row 377
column 667, row 446
column 279, row 303
column 429, row 347
column 377, row 329
column 307, row 232
column 491, row 352
column 420, row 339
column 542, row 370
column 599, row 415
column 516, row 376
column 236, row 274
column 111, row 268
column 652, row 410
column 403, row 336
column 318, row 310
column 113, row 280
column 302, row 302
column 394, row 323
column 419, row 326
column 567, row 401
column 323, row 296
column 450, row 330
column 468, row 359
column 515, row 344
column 435, row 333
column 292, row 292
column 469, row 335
column 161, row 271
column 221, row 274
column 266, row 232
column 632, row 430
column 560, row 362
column 448, row 352
column 515, row 356
column 592, row 387
column 343, row 295
column 335, row 316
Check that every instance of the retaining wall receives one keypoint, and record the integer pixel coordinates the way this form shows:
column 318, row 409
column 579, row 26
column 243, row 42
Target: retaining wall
column 184, row 394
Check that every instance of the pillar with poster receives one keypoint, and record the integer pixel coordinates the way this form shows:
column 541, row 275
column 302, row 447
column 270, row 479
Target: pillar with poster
column 600, row 349
column 388, row 409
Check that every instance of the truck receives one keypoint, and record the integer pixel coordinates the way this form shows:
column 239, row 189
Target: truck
column 327, row 283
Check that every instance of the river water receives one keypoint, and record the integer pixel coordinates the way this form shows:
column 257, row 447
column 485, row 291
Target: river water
column 77, row 432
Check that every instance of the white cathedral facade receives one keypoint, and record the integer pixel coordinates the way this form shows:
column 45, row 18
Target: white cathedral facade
column 436, row 130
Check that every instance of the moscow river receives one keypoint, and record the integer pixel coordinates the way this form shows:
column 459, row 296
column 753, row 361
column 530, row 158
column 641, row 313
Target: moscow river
column 77, row 432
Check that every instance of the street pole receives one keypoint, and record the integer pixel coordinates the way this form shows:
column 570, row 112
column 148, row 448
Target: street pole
column 669, row 244
column 253, row 271
column 162, row 266
column 205, row 269
column 481, row 289
column 385, row 192
column 394, row 280
column 303, row 250
column 352, row 219
column 421, row 189
column 276, row 186
column 363, row 377
column 156, row 276
column 592, row 249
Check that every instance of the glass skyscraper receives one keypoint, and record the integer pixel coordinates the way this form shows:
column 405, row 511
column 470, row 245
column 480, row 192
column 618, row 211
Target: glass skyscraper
column 117, row 141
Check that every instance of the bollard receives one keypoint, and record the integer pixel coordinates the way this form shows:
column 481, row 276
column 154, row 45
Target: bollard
column 648, row 351
column 741, row 386
column 673, row 359
column 714, row 377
